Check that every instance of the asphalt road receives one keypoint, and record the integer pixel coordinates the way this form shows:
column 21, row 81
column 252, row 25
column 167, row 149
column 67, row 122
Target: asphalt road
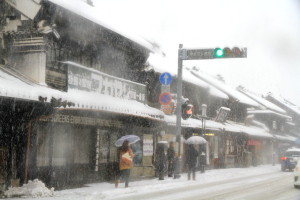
column 272, row 186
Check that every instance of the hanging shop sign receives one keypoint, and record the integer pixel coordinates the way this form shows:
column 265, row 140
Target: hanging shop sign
column 71, row 119
column 87, row 79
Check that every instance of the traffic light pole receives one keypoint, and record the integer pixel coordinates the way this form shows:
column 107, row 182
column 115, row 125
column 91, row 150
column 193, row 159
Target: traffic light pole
column 178, row 114
column 196, row 54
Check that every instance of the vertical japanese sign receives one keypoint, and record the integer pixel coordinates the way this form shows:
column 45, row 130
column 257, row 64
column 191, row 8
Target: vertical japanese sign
column 147, row 145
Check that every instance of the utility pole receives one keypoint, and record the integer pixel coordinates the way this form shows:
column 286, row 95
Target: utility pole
column 178, row 113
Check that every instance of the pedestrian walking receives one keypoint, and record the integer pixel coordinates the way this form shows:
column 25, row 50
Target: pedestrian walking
column 191, row 157
column 171, row 159
column 125, row 163
column 160, row 159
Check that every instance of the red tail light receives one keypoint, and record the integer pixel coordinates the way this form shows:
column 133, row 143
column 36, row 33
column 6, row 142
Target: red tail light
column 283, row 158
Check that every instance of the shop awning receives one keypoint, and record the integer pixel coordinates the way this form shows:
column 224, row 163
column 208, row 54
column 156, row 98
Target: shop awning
column 12, row 86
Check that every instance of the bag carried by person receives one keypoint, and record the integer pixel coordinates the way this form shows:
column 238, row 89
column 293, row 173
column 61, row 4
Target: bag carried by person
column 126, row 158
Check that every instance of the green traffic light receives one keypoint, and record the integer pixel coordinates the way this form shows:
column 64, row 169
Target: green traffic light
column 218, row 53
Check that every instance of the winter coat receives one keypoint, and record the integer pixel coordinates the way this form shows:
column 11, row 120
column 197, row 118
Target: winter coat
column 126, row 159
column 171, row 154
column 191, row 156
column 160, row 158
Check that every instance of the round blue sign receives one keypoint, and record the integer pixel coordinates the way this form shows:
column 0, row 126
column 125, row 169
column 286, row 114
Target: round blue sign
column 165, row 78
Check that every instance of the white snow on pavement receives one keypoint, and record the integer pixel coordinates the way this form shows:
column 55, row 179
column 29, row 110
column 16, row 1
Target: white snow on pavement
column 106, row 190
column 33, row 188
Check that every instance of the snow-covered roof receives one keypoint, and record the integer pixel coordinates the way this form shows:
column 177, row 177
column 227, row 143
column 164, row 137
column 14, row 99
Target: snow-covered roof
column 101, row 102
column 160, row 65
column 225, row 88
column 287, row 138
column 293, row 149
column 11, row 86
column 286, row 103
column 249, row 130
column 189, row 77
column 194, row 123
column 212, row 125
column 291, row 123
column 92, row 14
column 263, row 102
column 268, row 112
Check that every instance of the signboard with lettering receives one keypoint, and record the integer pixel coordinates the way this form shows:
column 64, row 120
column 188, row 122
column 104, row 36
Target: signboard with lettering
column 72, row 119
column 147, row 145
column 83, row 78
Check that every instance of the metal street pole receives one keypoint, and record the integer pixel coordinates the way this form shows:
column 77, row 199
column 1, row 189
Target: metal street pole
column 178, row 114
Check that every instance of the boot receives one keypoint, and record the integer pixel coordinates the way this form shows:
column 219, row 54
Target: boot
column 116, row 183
column 126, row 185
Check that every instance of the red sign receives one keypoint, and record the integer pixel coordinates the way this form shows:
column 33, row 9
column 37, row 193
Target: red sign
column 165, row 98
column 254, row 142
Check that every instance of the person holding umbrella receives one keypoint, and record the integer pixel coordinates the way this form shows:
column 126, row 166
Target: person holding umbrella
column 125, row 163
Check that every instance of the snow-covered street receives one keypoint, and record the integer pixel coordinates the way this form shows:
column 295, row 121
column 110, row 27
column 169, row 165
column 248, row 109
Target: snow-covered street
column 155, row 189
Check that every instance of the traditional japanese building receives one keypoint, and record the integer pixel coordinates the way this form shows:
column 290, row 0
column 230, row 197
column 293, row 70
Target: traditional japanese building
column 68, row 92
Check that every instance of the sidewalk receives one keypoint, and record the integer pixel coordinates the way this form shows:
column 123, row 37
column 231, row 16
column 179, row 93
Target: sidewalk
column 106, row 190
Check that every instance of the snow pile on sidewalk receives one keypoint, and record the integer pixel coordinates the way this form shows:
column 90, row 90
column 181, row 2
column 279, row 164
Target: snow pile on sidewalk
column 33, row 188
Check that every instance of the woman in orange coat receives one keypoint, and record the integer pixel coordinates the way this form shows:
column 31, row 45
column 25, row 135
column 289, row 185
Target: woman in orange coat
column 125, row 159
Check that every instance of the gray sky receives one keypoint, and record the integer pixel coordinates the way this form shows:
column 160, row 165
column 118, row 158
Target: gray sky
column 270, row 29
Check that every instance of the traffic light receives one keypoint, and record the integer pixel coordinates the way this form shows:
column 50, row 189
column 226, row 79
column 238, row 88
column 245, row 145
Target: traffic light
column 226, row 52
column 187, row 111
column 218, row 52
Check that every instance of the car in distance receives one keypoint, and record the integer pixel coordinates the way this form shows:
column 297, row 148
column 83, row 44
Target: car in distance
column 289, row 160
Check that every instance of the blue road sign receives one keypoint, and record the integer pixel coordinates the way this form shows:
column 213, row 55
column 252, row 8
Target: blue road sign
column 165, row 78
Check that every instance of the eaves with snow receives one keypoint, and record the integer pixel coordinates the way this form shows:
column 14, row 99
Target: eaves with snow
column 12, row 87
column 231, row 92
column 284, row 103
column 251, row 131
column 267, row 104
column 269, row 112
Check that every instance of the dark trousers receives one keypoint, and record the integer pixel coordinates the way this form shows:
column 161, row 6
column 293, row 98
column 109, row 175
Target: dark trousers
column 192, row 169
column 124, row 176
column 170, row 168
